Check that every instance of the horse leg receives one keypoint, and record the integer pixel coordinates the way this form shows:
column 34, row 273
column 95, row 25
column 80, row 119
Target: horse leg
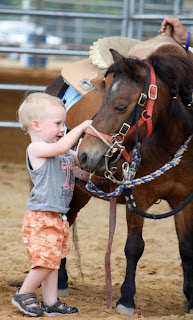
column 79, row 200
column 133, row 251
column 184, row 229
column 63, row 279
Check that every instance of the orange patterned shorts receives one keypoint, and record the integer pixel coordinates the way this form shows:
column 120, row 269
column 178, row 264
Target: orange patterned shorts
column 46, row 237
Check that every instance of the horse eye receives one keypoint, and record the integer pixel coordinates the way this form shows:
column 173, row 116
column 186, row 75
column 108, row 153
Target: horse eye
column 121, row 108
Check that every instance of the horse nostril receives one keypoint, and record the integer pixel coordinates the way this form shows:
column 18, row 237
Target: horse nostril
column 83, row 158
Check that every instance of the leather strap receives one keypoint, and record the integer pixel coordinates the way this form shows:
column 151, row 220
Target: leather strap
column 84, row 176
column 112, row 225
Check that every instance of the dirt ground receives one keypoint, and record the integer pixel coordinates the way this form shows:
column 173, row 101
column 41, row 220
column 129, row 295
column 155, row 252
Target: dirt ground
column 159, row 275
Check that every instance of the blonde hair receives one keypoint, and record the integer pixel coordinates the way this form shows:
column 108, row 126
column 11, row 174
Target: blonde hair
column 34, row 106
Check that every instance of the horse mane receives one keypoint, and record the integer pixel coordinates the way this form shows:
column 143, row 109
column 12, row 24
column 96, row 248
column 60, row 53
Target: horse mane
column 175, row 71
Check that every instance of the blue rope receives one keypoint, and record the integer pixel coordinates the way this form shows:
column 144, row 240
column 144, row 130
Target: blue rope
column 126, row 184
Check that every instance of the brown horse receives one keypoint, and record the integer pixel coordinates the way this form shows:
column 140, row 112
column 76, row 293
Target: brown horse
column 161, row 135
column 82, row 72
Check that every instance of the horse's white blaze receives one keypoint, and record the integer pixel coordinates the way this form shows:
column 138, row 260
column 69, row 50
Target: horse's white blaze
column 115, row 86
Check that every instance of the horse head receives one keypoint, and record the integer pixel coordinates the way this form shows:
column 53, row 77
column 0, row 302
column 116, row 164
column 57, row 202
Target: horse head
column 122, row 90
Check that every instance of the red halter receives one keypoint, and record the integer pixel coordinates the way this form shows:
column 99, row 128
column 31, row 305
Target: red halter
column 146, row 116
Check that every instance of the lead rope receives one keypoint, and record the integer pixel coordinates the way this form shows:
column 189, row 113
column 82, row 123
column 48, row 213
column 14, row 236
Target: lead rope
column 127, row 184
column 112, row 225
column 132, row 206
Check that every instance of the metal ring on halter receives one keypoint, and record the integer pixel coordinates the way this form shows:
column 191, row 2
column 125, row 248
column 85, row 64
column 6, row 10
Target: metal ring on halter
column 108, row 174
column 119, row 140
column 109, row 152
column 144, row 115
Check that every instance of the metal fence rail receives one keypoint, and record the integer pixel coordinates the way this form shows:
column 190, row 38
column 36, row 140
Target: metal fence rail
column 55, row 52
column 10, row 124
column 61, row 14
column 18, row 87
column 21, row 87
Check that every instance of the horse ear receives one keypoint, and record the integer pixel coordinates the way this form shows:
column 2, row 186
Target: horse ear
column 116, row 55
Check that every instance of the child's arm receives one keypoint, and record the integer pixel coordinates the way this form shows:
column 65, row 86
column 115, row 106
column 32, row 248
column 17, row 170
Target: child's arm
column 46, row 150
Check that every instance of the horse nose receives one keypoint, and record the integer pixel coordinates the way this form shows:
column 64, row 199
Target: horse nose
column 83, row 159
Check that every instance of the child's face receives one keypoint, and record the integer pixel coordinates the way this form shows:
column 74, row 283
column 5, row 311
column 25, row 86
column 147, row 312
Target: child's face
column 52, row 124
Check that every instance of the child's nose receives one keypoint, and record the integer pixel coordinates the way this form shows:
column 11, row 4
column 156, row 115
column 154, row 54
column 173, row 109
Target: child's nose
column 61, row 128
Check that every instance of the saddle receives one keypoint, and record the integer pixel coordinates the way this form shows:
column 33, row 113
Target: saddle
column 81, row 74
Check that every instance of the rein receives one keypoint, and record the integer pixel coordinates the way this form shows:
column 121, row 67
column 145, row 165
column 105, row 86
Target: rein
column 132, row 206
column 84, row 176
column 127, row 184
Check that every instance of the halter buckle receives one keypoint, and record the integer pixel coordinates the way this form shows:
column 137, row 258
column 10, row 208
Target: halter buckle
column 124, row 129
column 142, row 99
column 152, row 94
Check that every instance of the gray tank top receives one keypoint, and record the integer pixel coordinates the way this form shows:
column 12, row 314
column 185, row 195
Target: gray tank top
column 53, row 184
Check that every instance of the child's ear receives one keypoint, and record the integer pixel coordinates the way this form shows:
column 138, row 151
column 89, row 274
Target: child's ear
column 35, row 125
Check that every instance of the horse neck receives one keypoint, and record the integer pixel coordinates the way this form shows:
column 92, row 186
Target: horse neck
column 159, row 148
column 170, row 134
column 167, row 132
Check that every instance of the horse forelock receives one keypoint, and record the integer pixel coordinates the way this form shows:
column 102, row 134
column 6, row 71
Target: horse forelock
column 129, row 67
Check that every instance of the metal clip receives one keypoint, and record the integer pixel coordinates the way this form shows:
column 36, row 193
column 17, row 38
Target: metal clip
column 108, row 174
column 126, row 171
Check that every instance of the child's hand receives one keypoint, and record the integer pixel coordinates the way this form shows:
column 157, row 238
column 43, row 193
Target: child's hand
column 85, row 124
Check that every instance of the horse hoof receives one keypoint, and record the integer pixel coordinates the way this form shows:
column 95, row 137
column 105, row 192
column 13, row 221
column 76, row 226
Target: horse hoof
column 186, row 304
column 63, row 292
column 127, row 311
